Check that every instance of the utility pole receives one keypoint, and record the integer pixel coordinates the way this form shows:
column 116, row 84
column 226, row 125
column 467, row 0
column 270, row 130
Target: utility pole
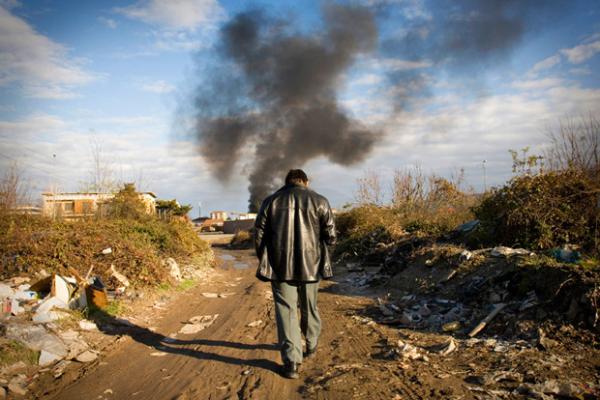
column 200, row 209
column 484, row 177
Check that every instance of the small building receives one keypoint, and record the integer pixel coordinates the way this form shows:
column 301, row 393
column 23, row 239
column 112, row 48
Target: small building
column 222, row 215
column 73, row 205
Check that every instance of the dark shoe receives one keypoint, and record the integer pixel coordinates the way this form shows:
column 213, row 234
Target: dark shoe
column 309, row 352
column 290, row 370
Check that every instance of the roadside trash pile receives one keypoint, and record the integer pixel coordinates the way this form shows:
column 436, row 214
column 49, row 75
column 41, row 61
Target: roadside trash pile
column 33, row 311
column 535, row 315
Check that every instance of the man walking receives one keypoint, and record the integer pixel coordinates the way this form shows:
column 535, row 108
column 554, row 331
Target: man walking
column 293, row 229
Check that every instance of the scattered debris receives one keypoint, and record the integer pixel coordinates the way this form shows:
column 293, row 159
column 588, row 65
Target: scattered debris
column 408, row 351
column 256, row 323
column 468, row 226
column 119, row 276
column 502, row 251
column 174, row 270
column 107, row 251
column 18, row 384
column 87, row 325
column 210, row 295
column 566, row 254
column 225, row 295
column 198, row 323
column 465, row 255
column 86, row 357
column 497, row 308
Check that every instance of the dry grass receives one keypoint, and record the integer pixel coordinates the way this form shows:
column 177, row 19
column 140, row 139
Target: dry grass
column 29, row 244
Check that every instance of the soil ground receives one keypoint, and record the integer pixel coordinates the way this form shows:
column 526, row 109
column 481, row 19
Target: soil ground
column 236, row 359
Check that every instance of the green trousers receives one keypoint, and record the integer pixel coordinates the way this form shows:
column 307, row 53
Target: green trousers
column 289, row 330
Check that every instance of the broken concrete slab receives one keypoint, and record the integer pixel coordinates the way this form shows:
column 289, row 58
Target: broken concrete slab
column 36, row 337
column 198, row 323
column 86, row 357
column 47, row 358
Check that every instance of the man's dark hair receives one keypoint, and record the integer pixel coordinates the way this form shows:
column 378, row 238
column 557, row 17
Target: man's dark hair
column 296, row 176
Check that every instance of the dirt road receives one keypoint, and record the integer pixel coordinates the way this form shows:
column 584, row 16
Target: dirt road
column 236, row 356
column 230, row 359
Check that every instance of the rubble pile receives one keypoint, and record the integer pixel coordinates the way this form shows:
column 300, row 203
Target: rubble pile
column 512, row 323
column 34, row 312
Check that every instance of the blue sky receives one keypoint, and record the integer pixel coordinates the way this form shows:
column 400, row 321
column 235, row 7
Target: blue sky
column 122, row 74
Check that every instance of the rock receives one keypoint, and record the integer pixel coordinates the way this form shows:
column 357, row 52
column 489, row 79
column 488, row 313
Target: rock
column 47, row 358
column 451, row 326
column 87, row 325
column 37, row 338
column 107, row 251
column 465, row 255
column 173, row 268
column 59, row 368
column 502, row 251
column 17, row 385
column 87, row 356
column 198, row 323
column 560, row 388
column 6, row 291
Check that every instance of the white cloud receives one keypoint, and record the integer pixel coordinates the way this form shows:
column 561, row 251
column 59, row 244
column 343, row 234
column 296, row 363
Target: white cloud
column 396, row 64
column 179, row 25
column 367, row 79
column 174, row 14
column 537, row 83
column 581, row 53
column 546, row 63
column 41, row 66
column 108, row 22
column 158, row 87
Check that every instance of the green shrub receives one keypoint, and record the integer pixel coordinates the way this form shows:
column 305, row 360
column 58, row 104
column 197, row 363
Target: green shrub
column 543, row 211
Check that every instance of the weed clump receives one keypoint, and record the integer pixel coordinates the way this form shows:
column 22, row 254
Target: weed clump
column 29, row 244
column 542, row 211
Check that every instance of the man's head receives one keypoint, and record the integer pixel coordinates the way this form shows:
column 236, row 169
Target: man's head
column 296, row 177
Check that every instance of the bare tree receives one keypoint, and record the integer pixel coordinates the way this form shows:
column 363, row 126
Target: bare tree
column 575, row 143
column 14, row 189
column 408, row 188
column 369, row 189
column 101, row 175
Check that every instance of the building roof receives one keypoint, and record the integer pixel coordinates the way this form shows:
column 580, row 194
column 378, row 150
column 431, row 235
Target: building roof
column 74, row 193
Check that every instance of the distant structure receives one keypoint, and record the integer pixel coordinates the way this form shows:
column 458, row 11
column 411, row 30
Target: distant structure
column 227, row 222
column 222, row 215
column 74, row 205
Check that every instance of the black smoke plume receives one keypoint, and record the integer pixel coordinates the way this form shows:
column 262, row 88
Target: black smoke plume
column 273, row 95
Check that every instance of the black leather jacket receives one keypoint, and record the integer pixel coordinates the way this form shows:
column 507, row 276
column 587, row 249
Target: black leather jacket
column 293, row 229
